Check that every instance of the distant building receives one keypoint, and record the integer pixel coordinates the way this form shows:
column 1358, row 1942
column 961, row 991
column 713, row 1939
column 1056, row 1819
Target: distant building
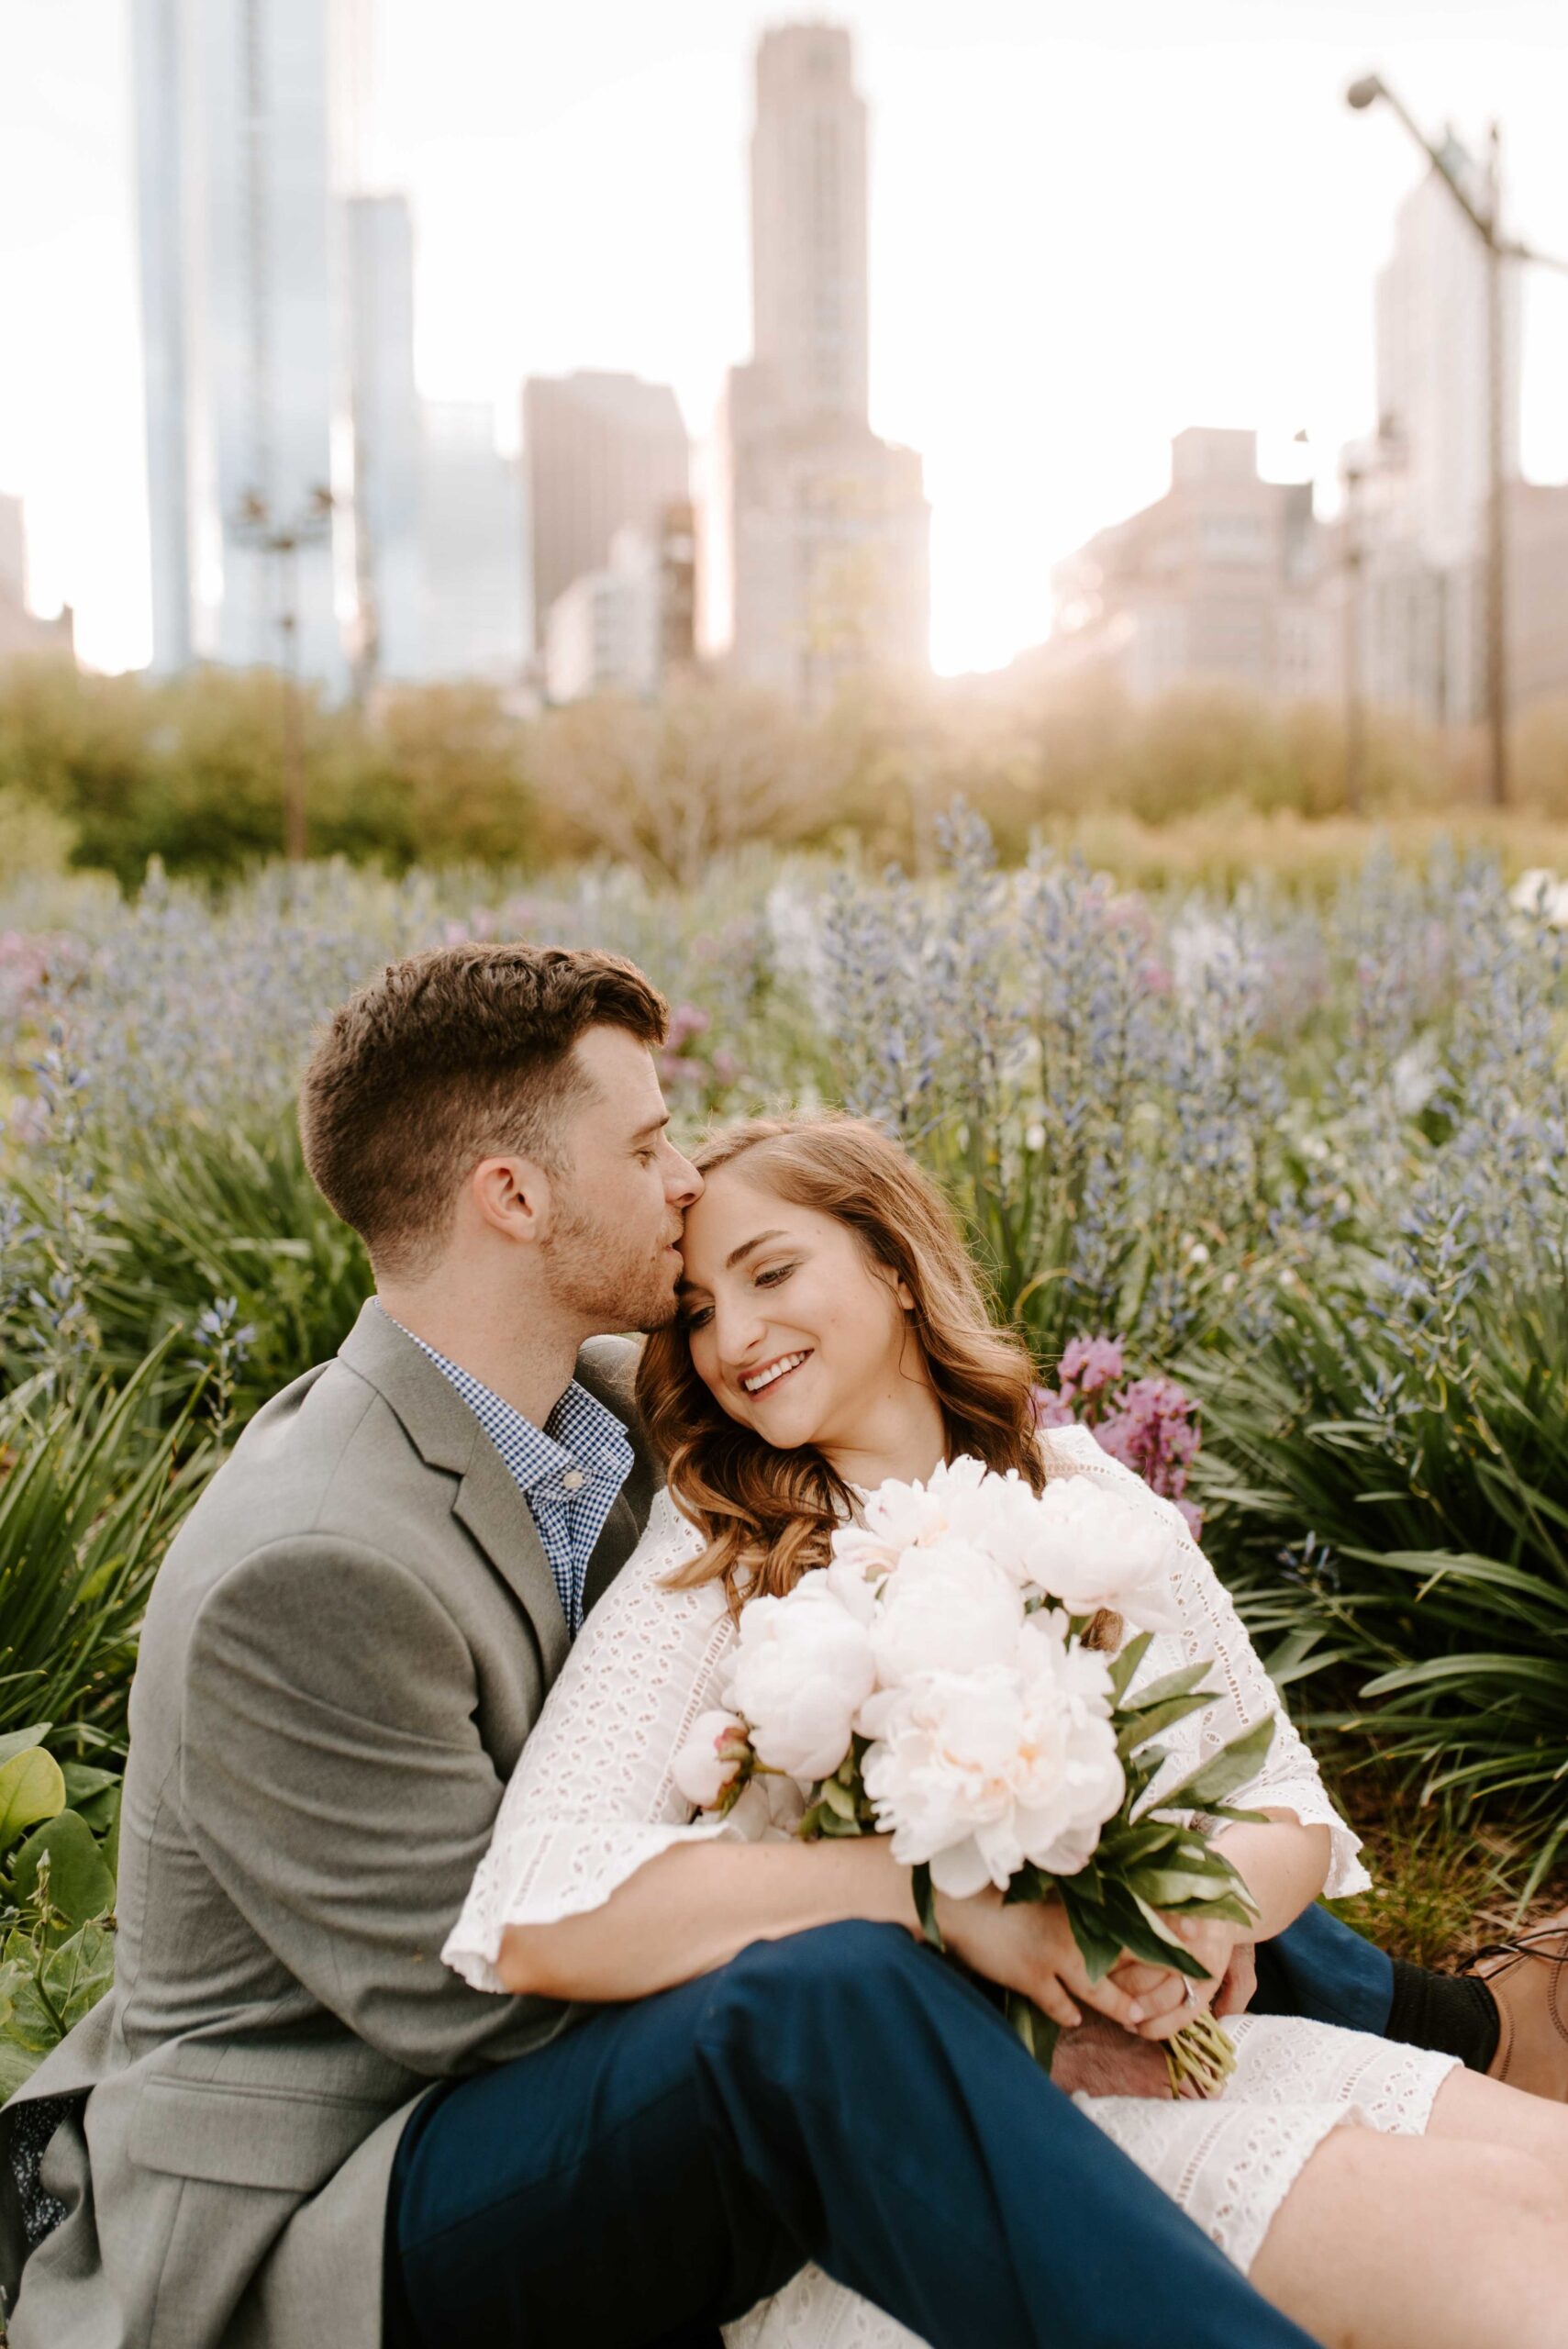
column 1423, row 645
column 1218, row 581
column 604, row 634
column 385, row 408
column 827, row 527
column 242, row 323
column 471, row 541
column 603, row 454
column 631, row 627
column 809, row 270
column 21, row 630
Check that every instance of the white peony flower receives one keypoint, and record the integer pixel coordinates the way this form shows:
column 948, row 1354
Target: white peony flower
column 802, row 1669
column 977, row 1771
column 1090, row 1547
column 899, row 1517
column 710, row 1758
column 949, row 1607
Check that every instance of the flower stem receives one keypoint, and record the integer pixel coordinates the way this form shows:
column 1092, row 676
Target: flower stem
column 1200, row 2058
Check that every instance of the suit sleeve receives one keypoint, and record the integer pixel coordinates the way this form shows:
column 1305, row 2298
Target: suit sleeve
column 333, row 1778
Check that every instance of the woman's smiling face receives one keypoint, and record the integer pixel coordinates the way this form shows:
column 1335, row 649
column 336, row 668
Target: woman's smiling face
column 793, row 1328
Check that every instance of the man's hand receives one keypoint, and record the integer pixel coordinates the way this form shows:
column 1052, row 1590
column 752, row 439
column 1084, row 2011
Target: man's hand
column 1028, row 1946
column 1100, row 2059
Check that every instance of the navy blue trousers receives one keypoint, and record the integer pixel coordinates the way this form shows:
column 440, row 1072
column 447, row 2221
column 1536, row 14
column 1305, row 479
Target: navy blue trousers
column 844, row 2096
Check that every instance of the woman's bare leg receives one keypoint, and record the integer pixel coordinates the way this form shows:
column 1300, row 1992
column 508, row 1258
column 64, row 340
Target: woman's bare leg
column 1439, row 2242
column 1473, row 2110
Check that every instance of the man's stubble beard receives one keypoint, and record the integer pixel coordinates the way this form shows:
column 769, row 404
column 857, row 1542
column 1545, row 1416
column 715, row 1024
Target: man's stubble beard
column 602, row 1282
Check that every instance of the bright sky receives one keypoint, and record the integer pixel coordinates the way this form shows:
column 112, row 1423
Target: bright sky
column 1091, row 225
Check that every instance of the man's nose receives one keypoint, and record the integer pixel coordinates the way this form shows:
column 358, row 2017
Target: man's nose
column 682, row 1184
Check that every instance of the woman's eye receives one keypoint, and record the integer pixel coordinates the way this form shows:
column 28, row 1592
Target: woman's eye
column 774, row 1275
column 699, row 1317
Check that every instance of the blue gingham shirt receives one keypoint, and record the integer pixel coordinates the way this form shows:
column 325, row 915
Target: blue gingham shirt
column 568, row 1473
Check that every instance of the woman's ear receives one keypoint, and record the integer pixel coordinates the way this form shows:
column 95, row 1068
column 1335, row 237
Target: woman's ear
column 906, row 1296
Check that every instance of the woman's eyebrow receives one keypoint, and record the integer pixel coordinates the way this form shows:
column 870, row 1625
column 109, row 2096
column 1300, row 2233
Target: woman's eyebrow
column 748, row 1247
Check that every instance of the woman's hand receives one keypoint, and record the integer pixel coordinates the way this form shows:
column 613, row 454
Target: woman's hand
column 1170, row 1999
column 1028, row 1946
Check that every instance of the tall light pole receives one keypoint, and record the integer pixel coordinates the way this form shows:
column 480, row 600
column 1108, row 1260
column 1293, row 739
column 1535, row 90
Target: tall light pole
column 1485, row 219
column 282, row 543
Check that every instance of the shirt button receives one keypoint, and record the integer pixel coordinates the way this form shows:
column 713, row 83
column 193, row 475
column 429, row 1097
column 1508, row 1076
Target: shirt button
column 572, row 1478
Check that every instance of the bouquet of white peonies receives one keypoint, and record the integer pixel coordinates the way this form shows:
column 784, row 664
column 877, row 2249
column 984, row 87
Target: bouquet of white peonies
column 933, row 1683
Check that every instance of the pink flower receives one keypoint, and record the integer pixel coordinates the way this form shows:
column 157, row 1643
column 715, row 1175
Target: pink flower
column 1088, row 1365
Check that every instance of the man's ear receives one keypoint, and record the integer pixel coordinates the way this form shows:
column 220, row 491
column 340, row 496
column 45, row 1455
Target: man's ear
column 512, row 1196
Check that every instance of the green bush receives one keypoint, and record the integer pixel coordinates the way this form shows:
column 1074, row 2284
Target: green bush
column 93, row 1486
column 59, row 1858
column 1397, row 1520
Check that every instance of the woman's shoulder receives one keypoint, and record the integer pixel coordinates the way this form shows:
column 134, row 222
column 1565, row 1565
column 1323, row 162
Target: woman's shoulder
column 1067, row 1451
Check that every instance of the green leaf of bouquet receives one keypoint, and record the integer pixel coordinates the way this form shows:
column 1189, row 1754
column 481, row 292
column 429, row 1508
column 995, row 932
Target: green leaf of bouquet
column 31, row 1787
column 1229, row 1816
column 1140, row 1930
column 1139, row 1728
column 1221, row 1776
column 1037, row 2031
column 1169, row 1888
column 80, row 1886
column 1185, row 1683
column 839, row 1799
column 1099, row 1945
column 926, row 1905
column 1127, row 1664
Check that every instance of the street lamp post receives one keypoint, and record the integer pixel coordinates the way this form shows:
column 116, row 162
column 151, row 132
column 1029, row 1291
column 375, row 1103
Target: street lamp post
column 282, row 543
column 1487, row 222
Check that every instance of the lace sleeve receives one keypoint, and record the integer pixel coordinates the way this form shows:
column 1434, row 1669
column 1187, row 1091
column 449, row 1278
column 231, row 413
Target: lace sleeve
column 592, row 1798
column 1211, row 1628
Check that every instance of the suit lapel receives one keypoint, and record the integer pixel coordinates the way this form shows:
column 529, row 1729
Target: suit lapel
column 447, row 1435
column 489, row 1503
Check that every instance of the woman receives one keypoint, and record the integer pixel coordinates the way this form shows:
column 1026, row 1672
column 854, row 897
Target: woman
column 832, row 1334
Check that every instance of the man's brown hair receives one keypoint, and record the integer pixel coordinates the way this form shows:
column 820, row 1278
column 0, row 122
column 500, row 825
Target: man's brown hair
column 457, row 1054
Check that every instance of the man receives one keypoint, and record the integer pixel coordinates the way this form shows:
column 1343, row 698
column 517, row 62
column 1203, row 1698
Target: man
column 288, row 2123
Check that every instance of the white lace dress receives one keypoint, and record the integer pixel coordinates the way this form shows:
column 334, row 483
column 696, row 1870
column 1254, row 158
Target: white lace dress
column 593, row 1799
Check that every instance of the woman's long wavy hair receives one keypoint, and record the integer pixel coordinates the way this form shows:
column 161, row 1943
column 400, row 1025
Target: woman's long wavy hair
column 768, row 1514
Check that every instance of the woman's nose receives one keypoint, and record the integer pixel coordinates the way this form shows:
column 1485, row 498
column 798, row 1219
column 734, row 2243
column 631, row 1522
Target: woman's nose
column 740, row 1328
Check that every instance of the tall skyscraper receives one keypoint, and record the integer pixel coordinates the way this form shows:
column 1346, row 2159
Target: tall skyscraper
column 810, row 275
column 603, row 454
column 386, row 436
column 473, row 556
column 827, row 525
column 242, row 327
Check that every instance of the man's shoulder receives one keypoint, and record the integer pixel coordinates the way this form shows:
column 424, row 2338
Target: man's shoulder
column 326, row 1457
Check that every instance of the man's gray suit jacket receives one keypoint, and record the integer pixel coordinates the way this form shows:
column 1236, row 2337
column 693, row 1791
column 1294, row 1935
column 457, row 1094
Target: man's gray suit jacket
column 346, row 1647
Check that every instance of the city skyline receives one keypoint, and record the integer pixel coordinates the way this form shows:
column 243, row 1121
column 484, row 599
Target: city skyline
column 1079, row 245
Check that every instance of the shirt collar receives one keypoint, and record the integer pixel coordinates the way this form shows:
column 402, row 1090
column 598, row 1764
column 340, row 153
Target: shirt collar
column 579, row 1433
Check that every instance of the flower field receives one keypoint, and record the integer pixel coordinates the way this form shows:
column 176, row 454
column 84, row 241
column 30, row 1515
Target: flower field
column 1286, row 1173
